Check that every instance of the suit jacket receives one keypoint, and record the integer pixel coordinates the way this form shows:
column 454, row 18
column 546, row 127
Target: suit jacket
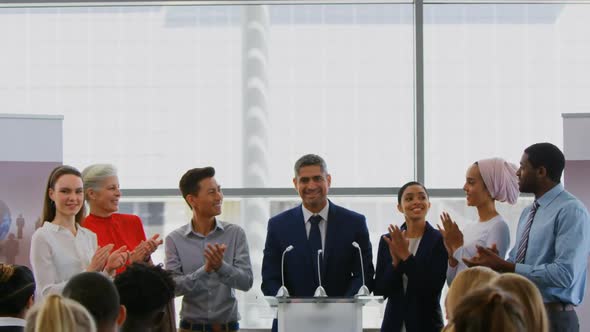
column 12, row 329
column 419, row 306
column 341, row 273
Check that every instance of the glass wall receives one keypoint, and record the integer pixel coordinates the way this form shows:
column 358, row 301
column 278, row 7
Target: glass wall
column 163, row 215
column 497, row 79
column 157, row 90
column 247, row 89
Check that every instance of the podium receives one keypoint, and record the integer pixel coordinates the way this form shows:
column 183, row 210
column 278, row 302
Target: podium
column 320, row 314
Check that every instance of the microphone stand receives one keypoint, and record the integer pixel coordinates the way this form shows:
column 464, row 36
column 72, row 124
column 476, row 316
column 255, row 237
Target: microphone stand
column 320, row 291
column 364, row 290
column 283, row 292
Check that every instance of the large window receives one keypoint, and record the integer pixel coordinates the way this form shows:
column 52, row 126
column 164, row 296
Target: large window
column 497, row 79
column 247, row 89
column 163, row 215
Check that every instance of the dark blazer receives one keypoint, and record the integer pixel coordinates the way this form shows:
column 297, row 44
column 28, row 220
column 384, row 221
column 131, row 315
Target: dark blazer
column 419, row 307
column 342, row 270
column 12, row 329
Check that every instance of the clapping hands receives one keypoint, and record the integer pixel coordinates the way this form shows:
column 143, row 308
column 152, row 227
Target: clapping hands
column 398, row 244
column 452, row 235
column 116, row 259
column 214, row 257
column 489, row 257
column 99, row 260
column 145, row 248
column 108, row 261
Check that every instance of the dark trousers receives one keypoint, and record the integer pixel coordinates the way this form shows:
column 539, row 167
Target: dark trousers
column 563, row 321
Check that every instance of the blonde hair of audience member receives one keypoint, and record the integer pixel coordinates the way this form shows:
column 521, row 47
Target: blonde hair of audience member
column 529, row 296
column 489, row 309
column 58, row 314
column 465, row 282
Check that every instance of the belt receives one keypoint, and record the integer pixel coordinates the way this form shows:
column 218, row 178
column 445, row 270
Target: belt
column 559, row 306
column 188, row 325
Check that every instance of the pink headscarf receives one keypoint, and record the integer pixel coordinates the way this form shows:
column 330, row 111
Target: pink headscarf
column 500, row 178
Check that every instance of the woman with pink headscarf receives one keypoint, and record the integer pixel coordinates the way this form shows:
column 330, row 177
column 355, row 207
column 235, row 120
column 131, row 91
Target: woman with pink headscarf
column 486, row 181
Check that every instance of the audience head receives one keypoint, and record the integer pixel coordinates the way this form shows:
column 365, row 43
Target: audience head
column 412, row 201
column 312, row 181
column 541, row 164
column 145, row 291
column 58, row 314
column 488, row 309
column 464, row 283
column 195, row 185
column 491, row 179
column 99, row 296
column 17, row 289
column 101, row 188
column 529, row 296
column 64, row 184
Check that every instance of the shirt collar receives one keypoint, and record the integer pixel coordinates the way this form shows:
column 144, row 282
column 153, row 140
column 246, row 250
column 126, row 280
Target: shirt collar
column 550, row 195
column 188, row 228
column 12, row 321
column 323, row 213
column 57, row 228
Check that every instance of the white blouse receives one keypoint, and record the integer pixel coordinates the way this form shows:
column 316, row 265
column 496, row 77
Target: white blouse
column 486, row 233
column 57, row 255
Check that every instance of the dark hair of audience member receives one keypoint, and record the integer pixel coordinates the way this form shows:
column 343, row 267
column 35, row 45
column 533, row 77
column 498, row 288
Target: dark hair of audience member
column 17, row 287
column 98, row 295
column 145, row 291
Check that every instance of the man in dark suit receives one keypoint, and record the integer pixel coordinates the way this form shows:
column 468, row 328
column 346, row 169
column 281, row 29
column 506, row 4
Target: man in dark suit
column 316, row 224
column 17, row 287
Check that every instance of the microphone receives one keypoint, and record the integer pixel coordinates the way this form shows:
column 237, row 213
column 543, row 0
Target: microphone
column 320, row 291
column 364, row 290
column 283, row 292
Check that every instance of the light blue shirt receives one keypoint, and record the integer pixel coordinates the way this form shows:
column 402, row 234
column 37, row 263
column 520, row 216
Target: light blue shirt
column 558, row 248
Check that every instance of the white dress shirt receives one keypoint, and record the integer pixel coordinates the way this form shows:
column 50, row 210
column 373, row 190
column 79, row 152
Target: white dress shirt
column 57, row 255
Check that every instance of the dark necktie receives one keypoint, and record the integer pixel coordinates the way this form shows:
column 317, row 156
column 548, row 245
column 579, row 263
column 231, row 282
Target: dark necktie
column 524, row 239
column 315, row 241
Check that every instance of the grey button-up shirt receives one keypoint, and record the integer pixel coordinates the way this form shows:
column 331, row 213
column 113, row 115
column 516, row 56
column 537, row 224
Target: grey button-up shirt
column 209, row 297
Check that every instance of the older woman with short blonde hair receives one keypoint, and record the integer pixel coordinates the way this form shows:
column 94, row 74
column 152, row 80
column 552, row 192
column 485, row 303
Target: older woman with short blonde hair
column 101, row 186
